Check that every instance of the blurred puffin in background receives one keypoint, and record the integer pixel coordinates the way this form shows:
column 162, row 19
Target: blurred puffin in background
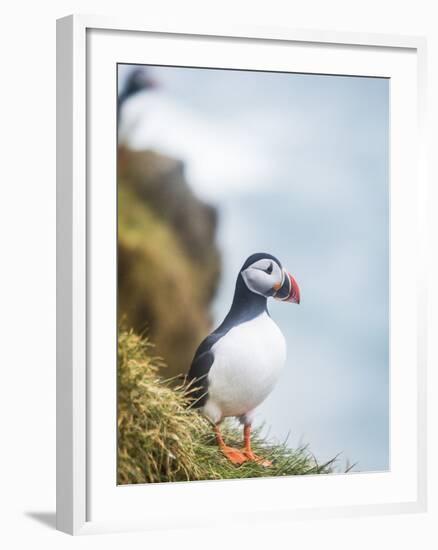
column 154, row 115
column 138, row 80
column 236, row 367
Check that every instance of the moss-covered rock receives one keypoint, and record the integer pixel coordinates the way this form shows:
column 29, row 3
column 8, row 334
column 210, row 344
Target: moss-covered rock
column 168, row 261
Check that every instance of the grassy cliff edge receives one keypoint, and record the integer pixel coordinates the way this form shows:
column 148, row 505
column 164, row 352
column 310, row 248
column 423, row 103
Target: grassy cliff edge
column 160, row 439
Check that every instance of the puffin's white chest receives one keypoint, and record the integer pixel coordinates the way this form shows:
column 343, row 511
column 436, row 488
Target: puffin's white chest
column 248, row 361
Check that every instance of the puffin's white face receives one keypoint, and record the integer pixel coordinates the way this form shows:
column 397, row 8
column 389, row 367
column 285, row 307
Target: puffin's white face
column 262, row 276
column 267, row 278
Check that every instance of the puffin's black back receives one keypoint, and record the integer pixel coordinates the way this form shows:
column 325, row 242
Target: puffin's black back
column 246, row 305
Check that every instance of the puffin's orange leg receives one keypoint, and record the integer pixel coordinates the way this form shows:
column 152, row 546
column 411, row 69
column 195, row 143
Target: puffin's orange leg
column 247, row 451
column 234, row 455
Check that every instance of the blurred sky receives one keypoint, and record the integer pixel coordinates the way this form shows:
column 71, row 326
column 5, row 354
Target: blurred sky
column 297, row 166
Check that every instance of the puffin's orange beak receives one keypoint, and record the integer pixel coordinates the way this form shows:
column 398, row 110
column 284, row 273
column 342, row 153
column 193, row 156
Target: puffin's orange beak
column 288, row 290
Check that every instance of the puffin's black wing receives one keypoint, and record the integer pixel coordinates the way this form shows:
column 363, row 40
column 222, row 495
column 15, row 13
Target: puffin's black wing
column 201, row 365
column 198, row 377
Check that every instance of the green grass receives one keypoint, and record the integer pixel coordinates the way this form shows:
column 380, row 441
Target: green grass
column 161, row 439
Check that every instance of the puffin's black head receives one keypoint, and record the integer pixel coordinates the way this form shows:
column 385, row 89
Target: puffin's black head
column 263, row 274
column 137, row 81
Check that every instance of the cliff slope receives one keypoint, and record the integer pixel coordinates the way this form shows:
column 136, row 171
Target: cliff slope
column 168, row 260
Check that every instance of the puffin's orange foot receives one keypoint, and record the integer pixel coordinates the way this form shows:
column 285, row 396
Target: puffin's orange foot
column 254, row 458
column 234, row 455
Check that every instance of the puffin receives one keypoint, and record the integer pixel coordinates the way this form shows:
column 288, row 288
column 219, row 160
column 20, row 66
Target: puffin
column 237, row 366
column 137, row 81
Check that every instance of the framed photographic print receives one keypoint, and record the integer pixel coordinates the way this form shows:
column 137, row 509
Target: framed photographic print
column 241, row 275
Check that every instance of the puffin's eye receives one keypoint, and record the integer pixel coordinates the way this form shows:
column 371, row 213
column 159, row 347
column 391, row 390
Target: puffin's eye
column 269, row 268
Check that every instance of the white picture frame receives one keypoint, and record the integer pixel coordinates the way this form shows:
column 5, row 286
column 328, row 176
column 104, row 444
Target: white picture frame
column 80, row 487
